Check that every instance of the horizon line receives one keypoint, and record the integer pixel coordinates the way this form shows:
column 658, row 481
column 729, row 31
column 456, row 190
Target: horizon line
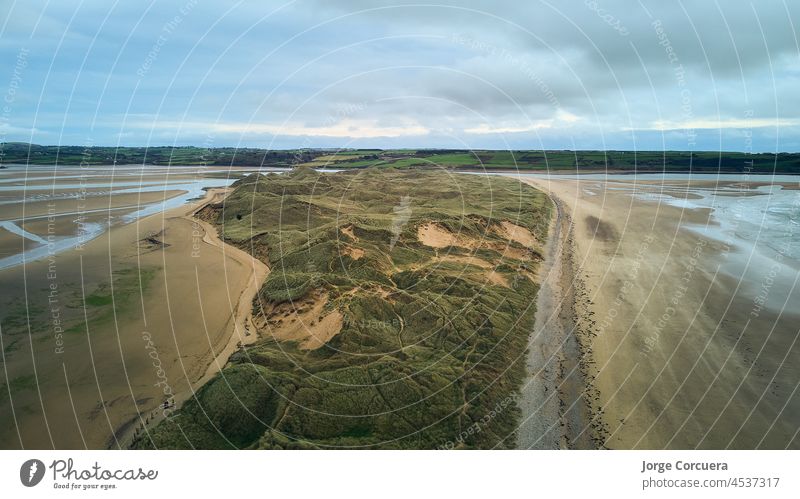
column 174, row 146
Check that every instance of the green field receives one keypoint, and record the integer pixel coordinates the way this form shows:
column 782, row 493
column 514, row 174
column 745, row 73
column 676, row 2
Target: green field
column 430, row 352
column 32, row 154
column 642, row 161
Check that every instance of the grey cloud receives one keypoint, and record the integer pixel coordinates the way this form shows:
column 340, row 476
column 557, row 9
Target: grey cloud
column 446, row 68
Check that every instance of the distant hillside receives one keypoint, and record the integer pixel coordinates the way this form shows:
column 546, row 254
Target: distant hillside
column 642, row 161
column 17, row 152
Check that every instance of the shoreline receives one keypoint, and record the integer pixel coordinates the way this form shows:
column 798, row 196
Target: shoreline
column 675, row 353
column 559, row 357
column 45, row 213
column 539, row 402
column 241, row 330
column 243, row 316
column 144, row 313
column 581, row 414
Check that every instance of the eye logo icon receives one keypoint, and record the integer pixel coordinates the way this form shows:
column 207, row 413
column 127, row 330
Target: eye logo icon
column 31, row 472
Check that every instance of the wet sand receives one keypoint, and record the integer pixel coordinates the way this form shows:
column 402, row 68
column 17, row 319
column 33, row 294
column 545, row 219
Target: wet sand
column 103, row 202
column 10, row 243
column 539, row 400
column 558, row 402
column 676, row 354
column 95, row 339
column 240, row 329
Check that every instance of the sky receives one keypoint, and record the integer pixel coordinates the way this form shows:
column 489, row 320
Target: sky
column 501, row 74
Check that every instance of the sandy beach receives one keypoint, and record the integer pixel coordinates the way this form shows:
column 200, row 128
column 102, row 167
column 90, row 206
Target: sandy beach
column 101, row 336
column 558, row 401
column 675, row 352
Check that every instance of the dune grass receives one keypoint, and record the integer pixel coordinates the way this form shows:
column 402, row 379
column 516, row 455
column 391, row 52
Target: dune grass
column 431, row 350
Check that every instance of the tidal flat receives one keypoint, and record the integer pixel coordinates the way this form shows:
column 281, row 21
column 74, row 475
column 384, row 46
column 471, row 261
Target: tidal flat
column 688, row 317
column 78, row 372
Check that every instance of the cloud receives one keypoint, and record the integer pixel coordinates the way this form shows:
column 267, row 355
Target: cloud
column 563, row 119
column 484, row 73
column 712, row 124
column 483, row 128
column 347, row 128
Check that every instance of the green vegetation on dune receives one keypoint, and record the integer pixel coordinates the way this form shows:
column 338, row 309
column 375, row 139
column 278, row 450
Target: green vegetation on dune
column 428, row 350
column 525, row 160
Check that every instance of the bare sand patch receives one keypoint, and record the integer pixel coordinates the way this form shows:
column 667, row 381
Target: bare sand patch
column 498, row 279
column 348, row 231
column 303, row 322
column 513, row 253
column 518, row 234
column 384, row 293
column 352, row 252
column 470, row 260
column 435, row 236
